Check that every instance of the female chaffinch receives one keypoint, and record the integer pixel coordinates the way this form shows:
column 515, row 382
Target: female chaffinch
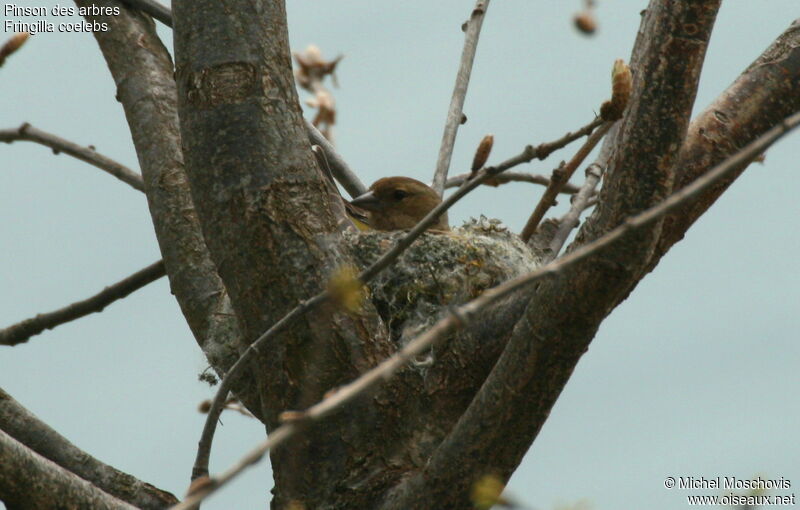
column 398, row 203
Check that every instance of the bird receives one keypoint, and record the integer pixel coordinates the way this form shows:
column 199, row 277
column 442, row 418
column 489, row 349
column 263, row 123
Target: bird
column 392, row 203
column 398, row 203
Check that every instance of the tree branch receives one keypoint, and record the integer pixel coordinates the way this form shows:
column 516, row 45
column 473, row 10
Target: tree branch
column 23, row 426
column 339, row 167
column 143, row 72
column 563, row 314
column 455, row 113
column 560, row 177
column 762, row 95
column 153, row 8
column 579, row 203
column 28, row 480
column 22, row 331
column 269, row 224
column 29, row 133
column 460, row 317
column 504, row 178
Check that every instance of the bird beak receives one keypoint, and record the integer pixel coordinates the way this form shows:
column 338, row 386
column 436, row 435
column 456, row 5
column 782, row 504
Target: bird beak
column 368, row 201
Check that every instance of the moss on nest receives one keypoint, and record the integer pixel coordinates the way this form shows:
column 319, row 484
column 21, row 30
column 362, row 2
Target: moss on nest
column 438, row 270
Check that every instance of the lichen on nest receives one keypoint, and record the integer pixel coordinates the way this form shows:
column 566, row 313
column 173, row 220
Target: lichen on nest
column 438, row 270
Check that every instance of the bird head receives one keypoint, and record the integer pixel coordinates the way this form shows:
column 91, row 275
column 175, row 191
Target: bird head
column 399, row 203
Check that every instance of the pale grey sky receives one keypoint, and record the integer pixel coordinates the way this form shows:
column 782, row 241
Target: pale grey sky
column 694, row 375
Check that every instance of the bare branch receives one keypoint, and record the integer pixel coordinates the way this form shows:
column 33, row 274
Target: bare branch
column 561, row 176
column 339, row 168
column 579, row 203
column 29, row 133
column 762, row 95
column 22, row 331
column 506, row 177
column 25, row 427
column 585, row 198
column 460, row 316
column 154, row 9
column 528, row 154
column 28, row 480
column 667, row 60
column 143, row 71
column 454, row 114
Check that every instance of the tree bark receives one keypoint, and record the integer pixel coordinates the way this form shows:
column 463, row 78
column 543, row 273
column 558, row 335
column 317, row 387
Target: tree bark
column 271, row 229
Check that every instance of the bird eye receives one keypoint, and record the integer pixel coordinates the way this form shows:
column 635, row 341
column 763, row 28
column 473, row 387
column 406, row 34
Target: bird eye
column 400, row 194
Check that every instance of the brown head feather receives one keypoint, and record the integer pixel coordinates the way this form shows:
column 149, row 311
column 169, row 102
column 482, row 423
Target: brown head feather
column 399, row 203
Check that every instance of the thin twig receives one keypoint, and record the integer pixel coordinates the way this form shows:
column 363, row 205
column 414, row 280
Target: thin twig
column 339, row 168
column 529, row 153
column 29, row 133
column 218, row 403
column 579, row 203
column 22, row 331
column 506, row 177
column 154, row 9
column 560, row 177
column 546, row 149
column 454, row 114
column 462, row 314
column 584, row 199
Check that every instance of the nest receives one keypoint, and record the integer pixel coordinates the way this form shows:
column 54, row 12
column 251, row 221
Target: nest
column 439, row 270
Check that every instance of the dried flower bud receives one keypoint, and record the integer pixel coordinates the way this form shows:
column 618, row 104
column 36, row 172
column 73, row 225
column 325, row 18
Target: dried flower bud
column 585, row 22
column 621, row 81
column 482, row 153
column 204, row 407
column 12, row 45
column 621, row 87
column 312, row 67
